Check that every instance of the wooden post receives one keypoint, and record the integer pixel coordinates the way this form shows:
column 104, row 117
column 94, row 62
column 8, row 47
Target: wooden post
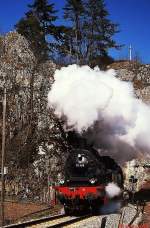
column 3, row 160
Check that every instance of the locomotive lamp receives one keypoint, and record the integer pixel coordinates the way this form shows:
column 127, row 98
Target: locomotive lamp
column 81, row 160
column 62, row 182
column 93, row 180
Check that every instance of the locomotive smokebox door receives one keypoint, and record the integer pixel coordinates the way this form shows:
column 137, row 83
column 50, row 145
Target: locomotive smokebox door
column 81, row 160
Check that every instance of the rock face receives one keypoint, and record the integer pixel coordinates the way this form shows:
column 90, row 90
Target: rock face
column 32, row 137
column 138, row 74
column 16, row 59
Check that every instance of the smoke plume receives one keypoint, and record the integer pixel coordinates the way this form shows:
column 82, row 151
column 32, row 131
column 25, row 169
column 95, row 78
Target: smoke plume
column 112, row 190
column 102, row 108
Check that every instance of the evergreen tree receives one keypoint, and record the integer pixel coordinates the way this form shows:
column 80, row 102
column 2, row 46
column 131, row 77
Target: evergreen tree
column 91, row 31
column 31, row 29
column 38, row 27
column 98, row 29
column 45, row 14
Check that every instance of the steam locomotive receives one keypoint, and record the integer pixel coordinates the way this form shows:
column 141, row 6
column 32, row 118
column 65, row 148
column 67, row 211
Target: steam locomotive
column 85, row 179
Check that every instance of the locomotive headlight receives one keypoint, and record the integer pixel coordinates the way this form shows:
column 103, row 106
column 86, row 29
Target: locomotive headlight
column 61, row 181
column 93, row 180
column 81, row 160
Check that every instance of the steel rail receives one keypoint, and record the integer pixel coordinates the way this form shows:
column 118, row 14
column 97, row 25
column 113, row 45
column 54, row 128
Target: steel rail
column 50, row 219
column 70, row 222
column 35, row 221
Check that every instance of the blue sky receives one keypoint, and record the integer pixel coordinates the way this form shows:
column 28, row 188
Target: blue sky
column 133, row 17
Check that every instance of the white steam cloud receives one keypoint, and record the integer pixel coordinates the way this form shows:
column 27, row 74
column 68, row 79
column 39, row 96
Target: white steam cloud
column 112, row 190
column 103, row 107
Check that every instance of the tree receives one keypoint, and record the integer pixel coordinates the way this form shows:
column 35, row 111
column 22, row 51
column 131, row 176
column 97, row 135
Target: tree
column 73, row 11
column 31, row 29
column 38, row 27
column 91, row 31
column 99, row 29
column 45, row 14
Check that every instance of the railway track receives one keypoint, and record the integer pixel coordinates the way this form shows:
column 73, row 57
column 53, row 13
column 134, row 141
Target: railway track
column 118, row 220
column 53, row 221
